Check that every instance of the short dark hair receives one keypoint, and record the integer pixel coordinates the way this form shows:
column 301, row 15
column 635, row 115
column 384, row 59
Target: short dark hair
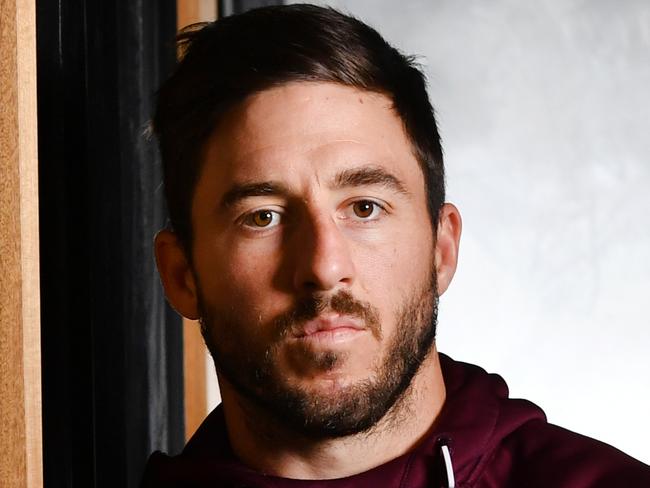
column 230, row 59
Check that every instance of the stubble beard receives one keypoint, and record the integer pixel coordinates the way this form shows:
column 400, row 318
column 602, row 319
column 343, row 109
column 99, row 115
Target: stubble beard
column 352, row 409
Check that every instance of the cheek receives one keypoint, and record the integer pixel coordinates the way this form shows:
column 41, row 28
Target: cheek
column 235, row 286
column 397, row 262
column 234, row 273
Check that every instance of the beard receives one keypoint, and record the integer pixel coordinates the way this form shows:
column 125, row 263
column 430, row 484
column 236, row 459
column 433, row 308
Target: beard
column 352, row 409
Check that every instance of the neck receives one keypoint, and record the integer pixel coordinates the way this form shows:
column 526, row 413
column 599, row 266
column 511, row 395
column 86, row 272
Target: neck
column 268, row 447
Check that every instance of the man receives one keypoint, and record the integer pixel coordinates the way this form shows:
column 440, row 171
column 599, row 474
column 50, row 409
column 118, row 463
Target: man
column 310, row 236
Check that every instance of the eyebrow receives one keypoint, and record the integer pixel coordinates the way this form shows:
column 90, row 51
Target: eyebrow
column 368, row 176
column 245, row 190
column 364, row 176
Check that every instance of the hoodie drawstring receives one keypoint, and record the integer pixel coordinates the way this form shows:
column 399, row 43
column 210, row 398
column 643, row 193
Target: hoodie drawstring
column 449, row 468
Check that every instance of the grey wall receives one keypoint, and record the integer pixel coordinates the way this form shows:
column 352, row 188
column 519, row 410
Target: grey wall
column 544, row 110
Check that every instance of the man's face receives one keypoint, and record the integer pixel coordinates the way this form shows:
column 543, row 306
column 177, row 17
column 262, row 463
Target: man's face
column 313, row 255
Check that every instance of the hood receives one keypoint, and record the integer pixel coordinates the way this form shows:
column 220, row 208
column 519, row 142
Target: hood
column 476, row 417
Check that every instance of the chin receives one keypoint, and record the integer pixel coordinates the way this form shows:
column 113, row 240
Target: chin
column 334, row 382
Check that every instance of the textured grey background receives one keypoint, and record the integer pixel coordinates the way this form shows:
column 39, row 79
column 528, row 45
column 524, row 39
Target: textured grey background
column 543, row 107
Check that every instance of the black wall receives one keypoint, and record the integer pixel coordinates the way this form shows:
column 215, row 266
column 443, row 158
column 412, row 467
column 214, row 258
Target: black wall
column 111, row 347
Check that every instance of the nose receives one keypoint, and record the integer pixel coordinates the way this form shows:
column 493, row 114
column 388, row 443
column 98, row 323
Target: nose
column 323, row 261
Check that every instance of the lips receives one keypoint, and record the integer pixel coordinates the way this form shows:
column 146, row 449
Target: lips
column 329, row 324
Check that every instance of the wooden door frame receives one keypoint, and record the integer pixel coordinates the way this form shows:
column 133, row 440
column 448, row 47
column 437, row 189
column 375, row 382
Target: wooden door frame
column 21, row 462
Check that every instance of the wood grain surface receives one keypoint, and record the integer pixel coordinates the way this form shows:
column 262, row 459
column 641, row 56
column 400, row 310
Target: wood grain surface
column 20, row 373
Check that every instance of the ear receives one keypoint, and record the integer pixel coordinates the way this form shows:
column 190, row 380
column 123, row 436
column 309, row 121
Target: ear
column 176, row 274
column 447, row 242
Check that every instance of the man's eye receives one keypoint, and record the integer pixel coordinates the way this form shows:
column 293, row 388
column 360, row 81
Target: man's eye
column 264, row 218
column 366, row 209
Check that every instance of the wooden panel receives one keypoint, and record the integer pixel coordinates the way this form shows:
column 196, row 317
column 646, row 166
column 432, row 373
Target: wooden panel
column 194, row 351
column 20, row 374
column 191, row 11
column 194, row 359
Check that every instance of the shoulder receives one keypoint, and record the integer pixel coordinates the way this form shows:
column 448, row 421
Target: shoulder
column 509, row 443
column 543, row 454
column 206, row 460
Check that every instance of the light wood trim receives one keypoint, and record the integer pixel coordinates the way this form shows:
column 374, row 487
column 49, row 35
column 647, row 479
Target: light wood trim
column 194, row 351
column 21, row 462
column 194, row 358
column 192, row 11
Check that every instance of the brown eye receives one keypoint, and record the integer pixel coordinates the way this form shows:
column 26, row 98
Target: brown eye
column 364, row 209
column 263, row 218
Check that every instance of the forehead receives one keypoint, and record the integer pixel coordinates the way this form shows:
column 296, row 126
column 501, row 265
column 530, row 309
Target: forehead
column 307, row 127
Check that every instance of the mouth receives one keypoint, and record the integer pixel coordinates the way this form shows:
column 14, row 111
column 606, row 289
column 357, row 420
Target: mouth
column 330, row 328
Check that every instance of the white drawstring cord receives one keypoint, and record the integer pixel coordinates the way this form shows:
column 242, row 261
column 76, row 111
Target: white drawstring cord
column 446, row 455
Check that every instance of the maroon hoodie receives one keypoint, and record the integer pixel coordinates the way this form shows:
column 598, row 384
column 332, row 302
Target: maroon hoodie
column 481, row 439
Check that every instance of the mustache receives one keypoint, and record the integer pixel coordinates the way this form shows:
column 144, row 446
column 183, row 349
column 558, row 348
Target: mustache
column 342, row 303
